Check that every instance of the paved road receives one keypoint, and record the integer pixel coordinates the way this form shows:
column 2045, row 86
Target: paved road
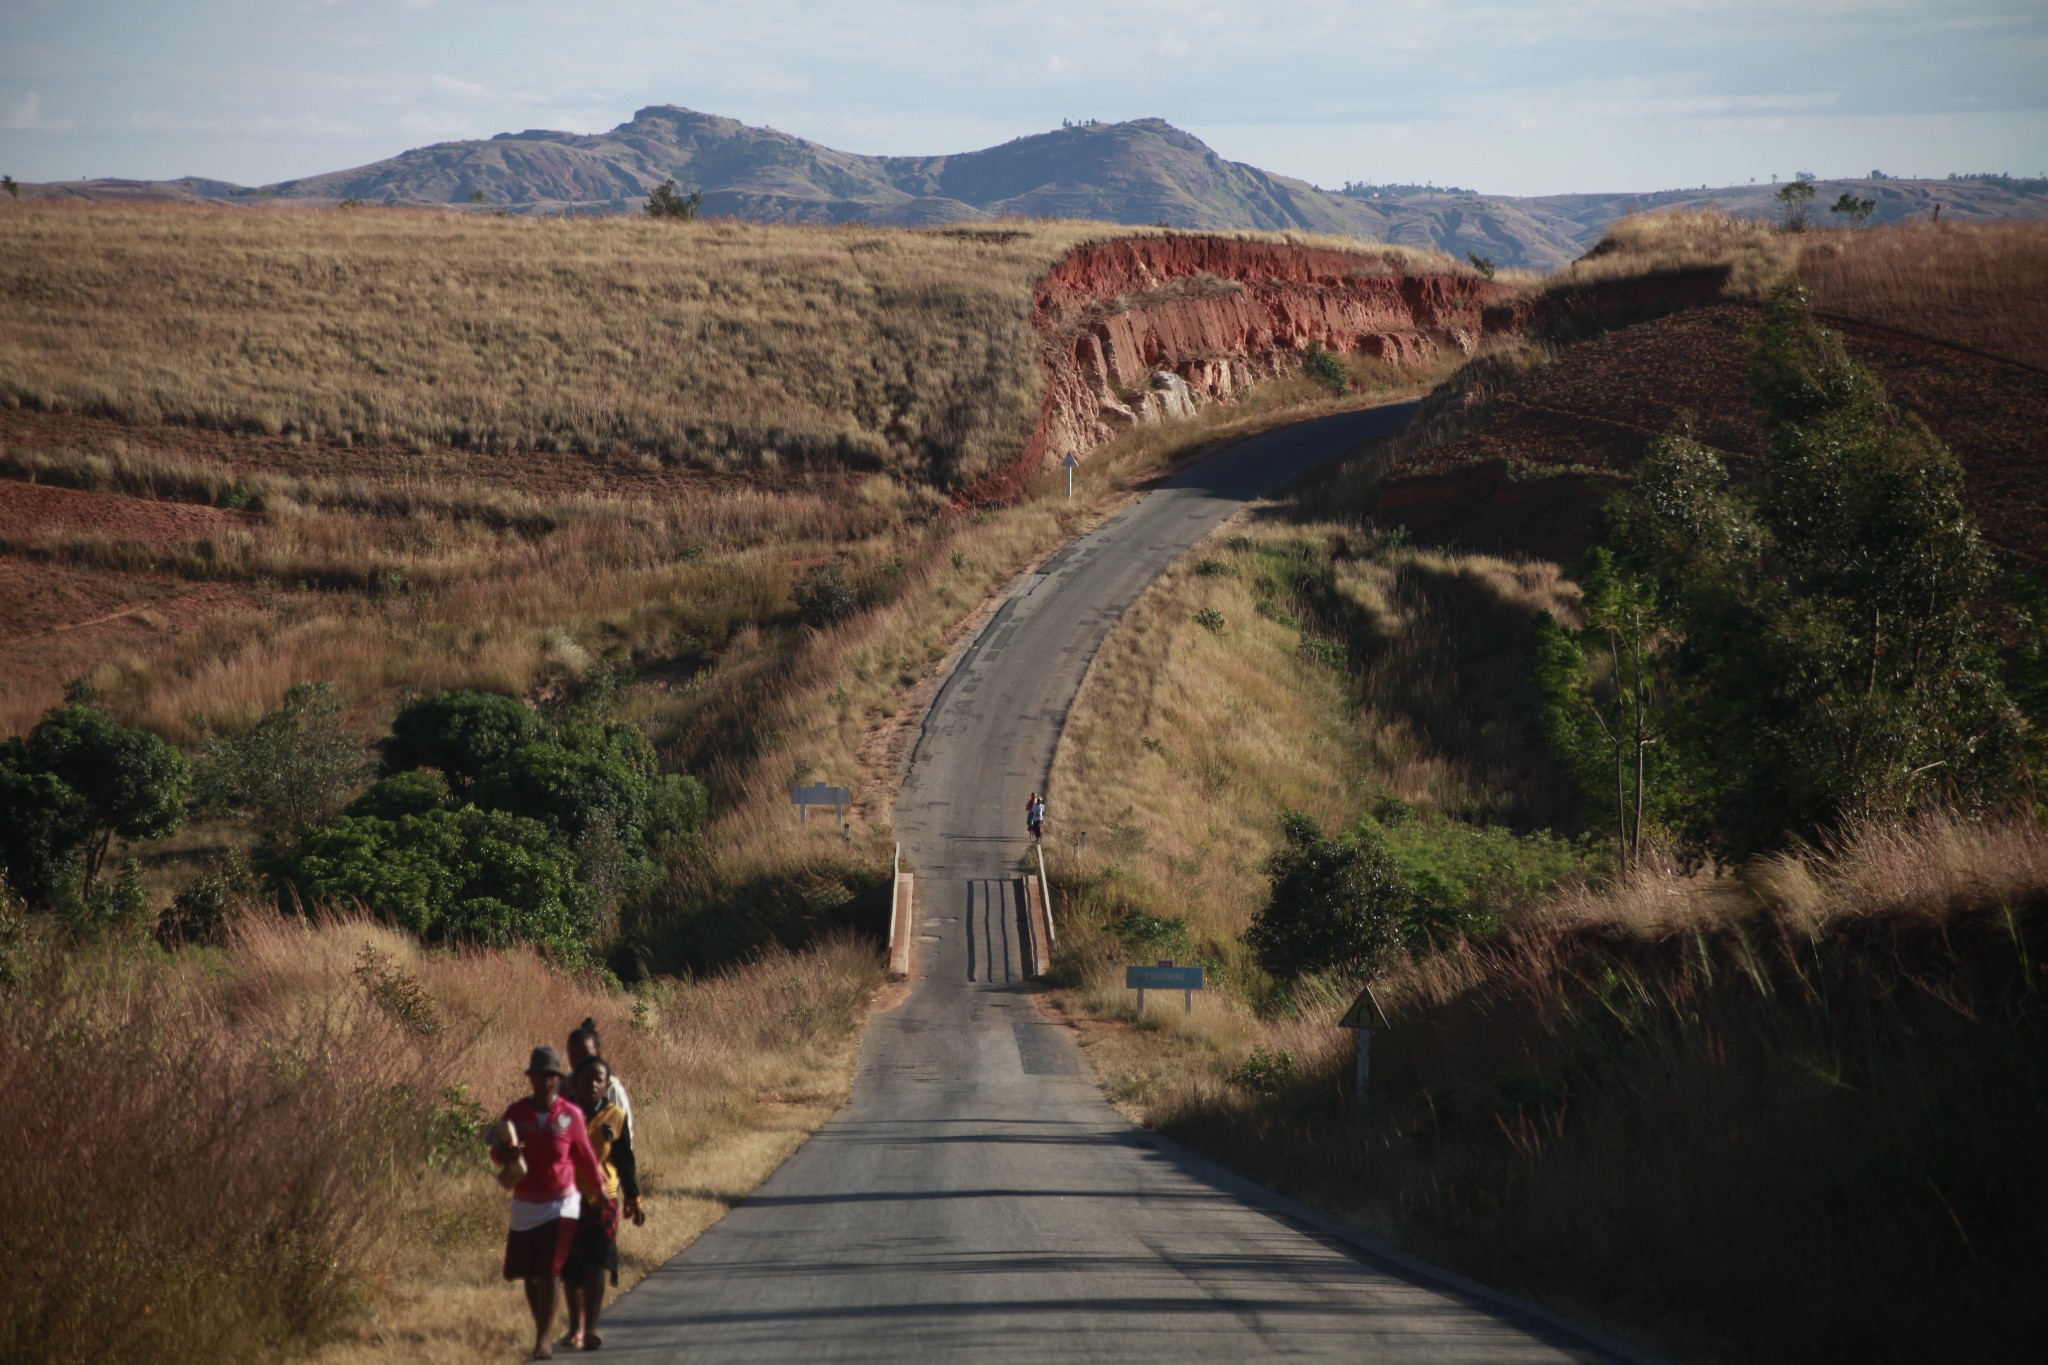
column 978, row 1199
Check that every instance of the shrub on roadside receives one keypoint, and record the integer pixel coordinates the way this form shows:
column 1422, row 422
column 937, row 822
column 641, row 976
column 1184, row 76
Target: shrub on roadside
column 1336, row 904
column 497, row 824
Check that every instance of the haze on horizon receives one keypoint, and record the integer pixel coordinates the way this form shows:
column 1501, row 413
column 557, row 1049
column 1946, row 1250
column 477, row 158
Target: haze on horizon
column 1505, row 98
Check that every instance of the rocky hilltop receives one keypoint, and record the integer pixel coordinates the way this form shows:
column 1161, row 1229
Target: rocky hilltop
column 1141, row 171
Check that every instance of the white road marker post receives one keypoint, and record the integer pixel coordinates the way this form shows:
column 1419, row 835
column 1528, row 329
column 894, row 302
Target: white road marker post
column 1364, row 1015
column 1070, row 464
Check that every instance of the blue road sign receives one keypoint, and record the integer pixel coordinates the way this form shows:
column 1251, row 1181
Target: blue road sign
column 1163, row 978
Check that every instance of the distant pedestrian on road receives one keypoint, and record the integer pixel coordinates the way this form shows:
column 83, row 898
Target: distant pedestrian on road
column 1034, row 815
column 595, row 1256
column 549, row 1133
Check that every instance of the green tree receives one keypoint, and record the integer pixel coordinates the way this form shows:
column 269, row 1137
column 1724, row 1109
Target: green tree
column 479, row 197
column 664, row 201
column 76, row 783
column 1483, row 264
column 11, row 185
column 1833, row 662
column 1606, row 693
column 1335, row 905
column 1795, row 202
column 291, row 771
column 1856, row 211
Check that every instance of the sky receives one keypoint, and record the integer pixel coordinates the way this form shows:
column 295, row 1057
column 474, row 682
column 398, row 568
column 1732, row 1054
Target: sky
column 1525, row 97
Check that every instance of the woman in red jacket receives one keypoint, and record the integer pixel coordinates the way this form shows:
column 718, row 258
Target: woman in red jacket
column 561, row 1169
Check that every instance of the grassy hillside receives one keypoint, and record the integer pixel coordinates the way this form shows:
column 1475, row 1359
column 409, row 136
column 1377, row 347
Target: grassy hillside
column 717, row 346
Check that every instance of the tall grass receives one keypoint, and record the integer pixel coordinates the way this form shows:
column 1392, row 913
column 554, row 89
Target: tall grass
column 1738, row 1128
column 1981, row 285
column 718, row 344
column 255, row 1150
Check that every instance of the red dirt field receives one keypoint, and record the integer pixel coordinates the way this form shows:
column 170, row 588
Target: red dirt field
column 1531, row 479
column 32, row 509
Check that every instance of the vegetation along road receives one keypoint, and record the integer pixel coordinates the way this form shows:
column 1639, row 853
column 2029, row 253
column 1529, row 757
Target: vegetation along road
column 978, row 1198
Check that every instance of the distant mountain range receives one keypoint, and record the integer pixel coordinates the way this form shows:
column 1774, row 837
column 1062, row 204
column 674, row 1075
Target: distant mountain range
column 1143, row 171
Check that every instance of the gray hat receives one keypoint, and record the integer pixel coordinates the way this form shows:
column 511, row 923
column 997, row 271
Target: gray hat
column 546, row 1060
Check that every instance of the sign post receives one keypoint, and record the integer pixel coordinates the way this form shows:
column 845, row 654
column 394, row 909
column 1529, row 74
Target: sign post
column 1164, row 977
column 1362, row 1018
column 820, row 794
column 1070, row 464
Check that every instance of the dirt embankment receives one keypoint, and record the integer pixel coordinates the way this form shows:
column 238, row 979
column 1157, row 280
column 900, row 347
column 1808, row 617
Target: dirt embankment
column 1146, row 329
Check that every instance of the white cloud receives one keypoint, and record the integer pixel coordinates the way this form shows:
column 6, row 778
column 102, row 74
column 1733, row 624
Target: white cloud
column 449, row 85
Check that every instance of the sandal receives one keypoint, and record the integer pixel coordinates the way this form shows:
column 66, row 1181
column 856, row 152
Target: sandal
column 592, row 1341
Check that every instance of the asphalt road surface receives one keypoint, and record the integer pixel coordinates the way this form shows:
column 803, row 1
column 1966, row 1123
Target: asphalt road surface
column 978, row 1199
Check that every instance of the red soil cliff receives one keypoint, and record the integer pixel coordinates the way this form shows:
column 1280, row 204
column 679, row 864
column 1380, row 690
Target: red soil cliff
column 1148, row 328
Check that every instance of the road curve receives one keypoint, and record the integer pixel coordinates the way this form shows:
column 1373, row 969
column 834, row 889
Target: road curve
column 978, row 1199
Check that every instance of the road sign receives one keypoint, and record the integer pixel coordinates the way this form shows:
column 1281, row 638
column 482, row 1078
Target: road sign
column 1362, row 1018
column 1164, row 976
column 1071, row 463
column 1365, row 1012
column 819, row 794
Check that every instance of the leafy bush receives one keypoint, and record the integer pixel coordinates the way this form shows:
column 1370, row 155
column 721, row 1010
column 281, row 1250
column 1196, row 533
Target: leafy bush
column 465, row 875
column 1467, row 879
column 294, row 769
column 203, row 911
column 823, row 596
column 1325, row 368
column 1483, row 264
column 1152, row 936
column 76, row 782
column 1210, row 619
column 402, row 794
column 1336, row 904
column 517, row 826
column 459, row 734
column 1832, row 662
column 1265, row 1073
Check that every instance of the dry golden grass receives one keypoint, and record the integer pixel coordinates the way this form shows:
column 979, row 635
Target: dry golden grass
column 310, row 1151
column 719, row 344
column 1980, row 285
column 1984, row 286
